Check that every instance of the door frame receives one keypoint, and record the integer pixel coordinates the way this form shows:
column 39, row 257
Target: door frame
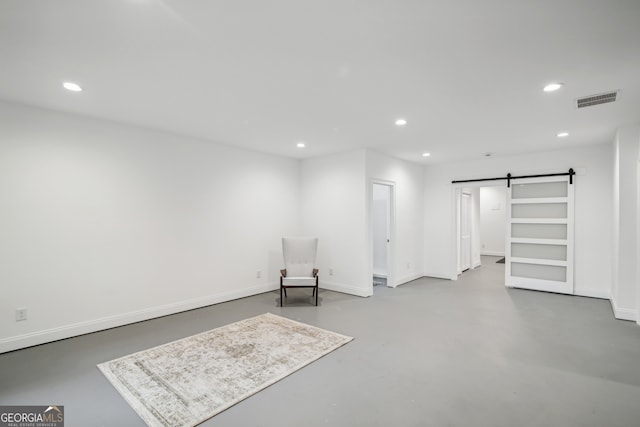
column 456, row 194
column 469, row 217
column 392, row 230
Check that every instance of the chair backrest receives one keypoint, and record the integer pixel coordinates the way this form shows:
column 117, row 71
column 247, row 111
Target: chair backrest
column 299, row 255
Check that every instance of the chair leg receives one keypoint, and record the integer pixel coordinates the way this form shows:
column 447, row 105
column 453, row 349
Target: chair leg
column 316, row 292
column 280, row 295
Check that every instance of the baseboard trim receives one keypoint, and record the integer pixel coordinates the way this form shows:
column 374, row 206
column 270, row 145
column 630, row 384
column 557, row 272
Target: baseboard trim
column 592, row 293
column 359, row 292
column 492, row 253
column 406, row 279
column 440, row 276
column 81, row 328
column 622, row 313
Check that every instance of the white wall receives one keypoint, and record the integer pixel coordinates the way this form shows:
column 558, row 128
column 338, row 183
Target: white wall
column 105, row 224
column 407, row 243
column 333, row 200
column 380, row 223
column 592, row 219
column 626, row 212
column 336, row 194
column 493, row 219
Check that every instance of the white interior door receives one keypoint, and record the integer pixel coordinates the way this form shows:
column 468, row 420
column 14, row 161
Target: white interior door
column 465, row 232
column 539, row 247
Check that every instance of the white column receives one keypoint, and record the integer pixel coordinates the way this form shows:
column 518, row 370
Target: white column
column 625, row 289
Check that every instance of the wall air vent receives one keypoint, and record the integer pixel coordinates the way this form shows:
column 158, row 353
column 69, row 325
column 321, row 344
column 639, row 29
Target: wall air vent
column 603, row 98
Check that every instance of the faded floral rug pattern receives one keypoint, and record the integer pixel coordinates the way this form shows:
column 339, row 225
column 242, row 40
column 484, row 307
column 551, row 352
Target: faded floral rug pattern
column 185, row 382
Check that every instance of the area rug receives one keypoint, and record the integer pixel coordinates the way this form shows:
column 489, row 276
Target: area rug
column 185, row 382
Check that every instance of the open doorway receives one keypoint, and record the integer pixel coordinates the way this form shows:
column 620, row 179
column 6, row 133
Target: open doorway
column 493, row 219
column 480, row 225
column 467, row 229
column 537, row 230
column 466, row 214
column 381, row 212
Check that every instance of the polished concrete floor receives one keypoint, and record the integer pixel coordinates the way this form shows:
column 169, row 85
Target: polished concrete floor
column 428, row 353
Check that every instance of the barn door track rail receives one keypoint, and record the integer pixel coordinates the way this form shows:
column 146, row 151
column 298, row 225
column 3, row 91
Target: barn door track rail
column 509, row 177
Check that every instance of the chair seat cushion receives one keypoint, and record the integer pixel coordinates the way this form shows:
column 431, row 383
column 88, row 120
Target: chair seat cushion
column 298, row 281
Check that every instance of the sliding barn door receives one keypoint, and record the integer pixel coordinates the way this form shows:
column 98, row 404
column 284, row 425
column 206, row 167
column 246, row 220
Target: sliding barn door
column 539, row 250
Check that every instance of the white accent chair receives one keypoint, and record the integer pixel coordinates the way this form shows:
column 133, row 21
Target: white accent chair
column 299, row 265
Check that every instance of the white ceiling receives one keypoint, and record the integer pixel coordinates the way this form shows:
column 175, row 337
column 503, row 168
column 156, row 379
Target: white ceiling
column 466, row 74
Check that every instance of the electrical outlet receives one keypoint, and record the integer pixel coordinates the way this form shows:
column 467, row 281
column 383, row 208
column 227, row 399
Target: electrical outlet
column 331, row 272
column 21, row 314
column 258, row 274
column 408, row 266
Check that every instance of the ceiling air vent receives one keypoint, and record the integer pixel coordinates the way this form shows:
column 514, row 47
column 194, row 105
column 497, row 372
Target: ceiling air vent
column 603, row 98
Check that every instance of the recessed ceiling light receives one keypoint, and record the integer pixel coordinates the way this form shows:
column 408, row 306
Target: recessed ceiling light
column 563, row 134
column 73, row 87
column 426, row 154
column 552, row 87
column 300, row 145
column 401, row 122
